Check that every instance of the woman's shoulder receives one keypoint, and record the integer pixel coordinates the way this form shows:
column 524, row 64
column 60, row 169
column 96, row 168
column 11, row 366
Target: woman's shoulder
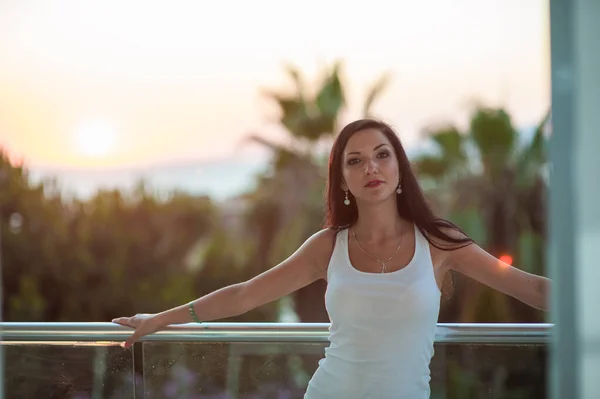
column 452, row 238
column 321, row 245
column 323, row 240
column 451, row 233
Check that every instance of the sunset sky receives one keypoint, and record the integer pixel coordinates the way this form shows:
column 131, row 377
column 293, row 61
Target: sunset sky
column 119, row 84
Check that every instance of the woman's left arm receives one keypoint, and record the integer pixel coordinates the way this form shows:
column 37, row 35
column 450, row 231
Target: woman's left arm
column 474, row 262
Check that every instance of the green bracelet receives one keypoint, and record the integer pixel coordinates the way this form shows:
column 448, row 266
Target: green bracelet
column 192, row 313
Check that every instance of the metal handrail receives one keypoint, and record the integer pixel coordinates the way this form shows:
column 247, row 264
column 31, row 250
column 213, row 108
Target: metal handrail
column 446, row 333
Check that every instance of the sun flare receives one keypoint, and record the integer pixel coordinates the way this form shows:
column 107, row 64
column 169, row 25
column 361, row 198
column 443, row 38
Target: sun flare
column 95, row 139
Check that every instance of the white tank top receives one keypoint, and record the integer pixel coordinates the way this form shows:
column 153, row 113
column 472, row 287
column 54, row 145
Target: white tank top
column 382, row 328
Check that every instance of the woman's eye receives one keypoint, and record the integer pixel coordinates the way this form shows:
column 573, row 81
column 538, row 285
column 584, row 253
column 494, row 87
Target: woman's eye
column 383, row 154
column 353, row 161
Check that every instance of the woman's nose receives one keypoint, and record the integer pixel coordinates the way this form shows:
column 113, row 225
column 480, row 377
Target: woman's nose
column 370, row 167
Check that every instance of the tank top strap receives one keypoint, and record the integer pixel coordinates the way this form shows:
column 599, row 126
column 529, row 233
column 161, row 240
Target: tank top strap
column 420, row 241
column 338, row 255
column 422, row 251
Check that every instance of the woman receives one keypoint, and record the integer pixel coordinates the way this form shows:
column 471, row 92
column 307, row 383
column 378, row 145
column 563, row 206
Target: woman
column 384, row 255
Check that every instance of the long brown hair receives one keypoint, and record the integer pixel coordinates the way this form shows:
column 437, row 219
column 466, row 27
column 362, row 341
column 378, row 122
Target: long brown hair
column 412, row 205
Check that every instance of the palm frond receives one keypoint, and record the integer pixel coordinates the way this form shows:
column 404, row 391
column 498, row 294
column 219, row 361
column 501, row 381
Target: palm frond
column 374, row 92
column 330, row 98
column 534, row 155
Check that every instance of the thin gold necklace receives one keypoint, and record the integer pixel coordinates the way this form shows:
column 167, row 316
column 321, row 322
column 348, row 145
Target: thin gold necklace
column 383, row 262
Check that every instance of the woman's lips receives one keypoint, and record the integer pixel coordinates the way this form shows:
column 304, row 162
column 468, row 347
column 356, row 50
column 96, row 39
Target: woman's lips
column 373, row 183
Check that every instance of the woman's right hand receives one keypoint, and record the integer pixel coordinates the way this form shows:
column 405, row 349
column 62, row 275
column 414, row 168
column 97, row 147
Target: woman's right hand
column 143, row 323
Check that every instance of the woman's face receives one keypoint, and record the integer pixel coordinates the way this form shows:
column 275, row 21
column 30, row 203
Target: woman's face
column 370, row 167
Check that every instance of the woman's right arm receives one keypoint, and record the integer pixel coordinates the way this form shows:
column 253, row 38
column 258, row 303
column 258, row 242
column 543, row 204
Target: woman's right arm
column 306, row 265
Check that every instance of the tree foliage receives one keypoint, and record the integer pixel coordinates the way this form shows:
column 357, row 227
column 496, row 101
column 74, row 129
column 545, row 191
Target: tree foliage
column 121, row 253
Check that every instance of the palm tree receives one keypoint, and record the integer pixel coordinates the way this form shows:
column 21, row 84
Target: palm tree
column 290, row 194
column 490, row 183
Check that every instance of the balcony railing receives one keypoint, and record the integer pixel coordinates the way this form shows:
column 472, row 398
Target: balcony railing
column 249, row 360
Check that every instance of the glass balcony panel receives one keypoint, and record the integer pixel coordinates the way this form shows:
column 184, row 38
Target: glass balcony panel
column 248, row 370
column 252, row 370
column 507, row 371
column 238, row 360
column 75, row 370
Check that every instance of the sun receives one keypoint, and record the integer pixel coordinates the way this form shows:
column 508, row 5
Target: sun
column 95, row 139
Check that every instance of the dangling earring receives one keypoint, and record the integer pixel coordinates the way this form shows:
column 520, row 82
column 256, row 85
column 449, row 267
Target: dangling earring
column 399, row 189
column 347, row 200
